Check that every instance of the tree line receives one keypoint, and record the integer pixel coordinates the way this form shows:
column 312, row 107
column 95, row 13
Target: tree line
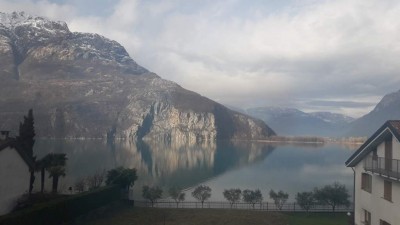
column 334, row 195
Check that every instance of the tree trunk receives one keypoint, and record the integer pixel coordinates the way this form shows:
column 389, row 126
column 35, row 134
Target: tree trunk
column 31, row 181
column 42, row 180
column 55, row 184
column 126, row 193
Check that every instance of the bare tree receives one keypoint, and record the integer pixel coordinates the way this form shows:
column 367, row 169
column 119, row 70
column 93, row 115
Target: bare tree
column 279, row 198
column 96, row 180
column 233, row 195
column 306, row 200
column 202, row 193
column 80, row 185
column 252, row 197
column 177, row 195
column 151, row 193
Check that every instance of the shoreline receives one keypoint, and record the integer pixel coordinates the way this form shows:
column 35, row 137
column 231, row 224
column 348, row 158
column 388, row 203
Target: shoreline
column 284, row 139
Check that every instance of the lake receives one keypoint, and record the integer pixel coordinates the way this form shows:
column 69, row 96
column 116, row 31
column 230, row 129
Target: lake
column 220, row 165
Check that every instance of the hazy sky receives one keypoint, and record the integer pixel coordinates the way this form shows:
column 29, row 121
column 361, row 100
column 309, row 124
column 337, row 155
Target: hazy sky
column 339, row 56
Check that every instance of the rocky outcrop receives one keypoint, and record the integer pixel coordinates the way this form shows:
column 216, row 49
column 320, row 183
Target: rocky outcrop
column 87, row 86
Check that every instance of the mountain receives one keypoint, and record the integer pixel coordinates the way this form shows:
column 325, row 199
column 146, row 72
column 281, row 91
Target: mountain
column 387, row 109
column 333, row 118
column 84, row 85
column 290, row 121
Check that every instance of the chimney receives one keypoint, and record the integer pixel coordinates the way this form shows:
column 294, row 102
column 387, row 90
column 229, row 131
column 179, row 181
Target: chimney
column 4, row 135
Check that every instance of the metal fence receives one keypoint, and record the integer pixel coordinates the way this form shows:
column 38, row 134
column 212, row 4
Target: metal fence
column 264, row 206
column 383, row 166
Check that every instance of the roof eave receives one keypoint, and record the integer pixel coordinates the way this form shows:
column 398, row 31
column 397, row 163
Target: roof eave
column 367, row 146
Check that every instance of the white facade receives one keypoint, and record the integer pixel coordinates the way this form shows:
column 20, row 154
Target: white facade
column 380, row 209
column 14, row 179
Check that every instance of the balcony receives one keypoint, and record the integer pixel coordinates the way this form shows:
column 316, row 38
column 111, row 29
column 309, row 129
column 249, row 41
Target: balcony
column 382, row 166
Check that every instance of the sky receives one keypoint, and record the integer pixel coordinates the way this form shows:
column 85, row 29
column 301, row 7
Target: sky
column 315, row 55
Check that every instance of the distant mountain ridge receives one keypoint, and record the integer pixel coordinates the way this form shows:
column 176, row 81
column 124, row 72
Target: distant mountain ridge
column 333, row 118
column 84, row 85
column 290, row 121
column 387, row 109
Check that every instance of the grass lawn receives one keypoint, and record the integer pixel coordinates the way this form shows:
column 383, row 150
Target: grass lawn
column 317, row 218
column 157, row 216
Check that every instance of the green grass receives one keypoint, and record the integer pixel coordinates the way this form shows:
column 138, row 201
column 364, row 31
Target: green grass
column 157, row 216
column 317, row 218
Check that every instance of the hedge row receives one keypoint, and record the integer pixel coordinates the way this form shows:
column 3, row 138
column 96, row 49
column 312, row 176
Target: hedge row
column 63, row 210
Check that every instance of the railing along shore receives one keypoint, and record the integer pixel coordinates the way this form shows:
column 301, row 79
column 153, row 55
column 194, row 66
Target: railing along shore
column 264, row 206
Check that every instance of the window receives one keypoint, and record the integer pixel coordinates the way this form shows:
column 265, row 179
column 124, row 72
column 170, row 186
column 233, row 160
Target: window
column 367, row 217
column 366, row 182
column 382, row 222
column 387, row 190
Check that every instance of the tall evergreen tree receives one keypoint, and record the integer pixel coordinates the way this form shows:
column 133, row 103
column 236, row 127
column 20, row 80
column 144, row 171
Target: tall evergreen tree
column 27, row 133
column 27, row 139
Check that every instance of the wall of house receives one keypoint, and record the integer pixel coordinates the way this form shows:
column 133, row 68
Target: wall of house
column 374, row 202
column 380, row 150
column 396, row 148
column 14, row 179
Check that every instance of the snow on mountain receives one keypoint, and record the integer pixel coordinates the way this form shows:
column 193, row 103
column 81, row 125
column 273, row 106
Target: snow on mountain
column 333, row 118
column 85, row 85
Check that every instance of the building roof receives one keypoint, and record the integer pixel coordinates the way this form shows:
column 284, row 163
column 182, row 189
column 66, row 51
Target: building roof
column 387, row 130
column 14, row 144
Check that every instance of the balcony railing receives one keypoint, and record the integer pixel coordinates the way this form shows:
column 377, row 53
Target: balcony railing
column 385, row 167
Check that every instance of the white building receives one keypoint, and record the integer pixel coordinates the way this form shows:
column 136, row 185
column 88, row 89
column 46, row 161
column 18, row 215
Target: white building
column 15, row 168
column 376, row 166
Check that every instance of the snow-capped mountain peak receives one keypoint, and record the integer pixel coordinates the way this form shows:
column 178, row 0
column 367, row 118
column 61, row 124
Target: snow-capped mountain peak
column 17, row 19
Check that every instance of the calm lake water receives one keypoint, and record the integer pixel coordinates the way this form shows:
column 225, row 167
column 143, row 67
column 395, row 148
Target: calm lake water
column 220, row 165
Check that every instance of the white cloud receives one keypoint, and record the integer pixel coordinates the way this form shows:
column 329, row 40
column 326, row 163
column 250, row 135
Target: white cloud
column 247, row 55
column 331, row 49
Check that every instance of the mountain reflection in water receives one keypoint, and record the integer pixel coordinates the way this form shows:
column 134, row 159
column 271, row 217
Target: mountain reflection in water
column 186, row 165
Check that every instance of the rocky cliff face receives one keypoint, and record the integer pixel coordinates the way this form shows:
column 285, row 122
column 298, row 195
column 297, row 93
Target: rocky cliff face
column 87, row 86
